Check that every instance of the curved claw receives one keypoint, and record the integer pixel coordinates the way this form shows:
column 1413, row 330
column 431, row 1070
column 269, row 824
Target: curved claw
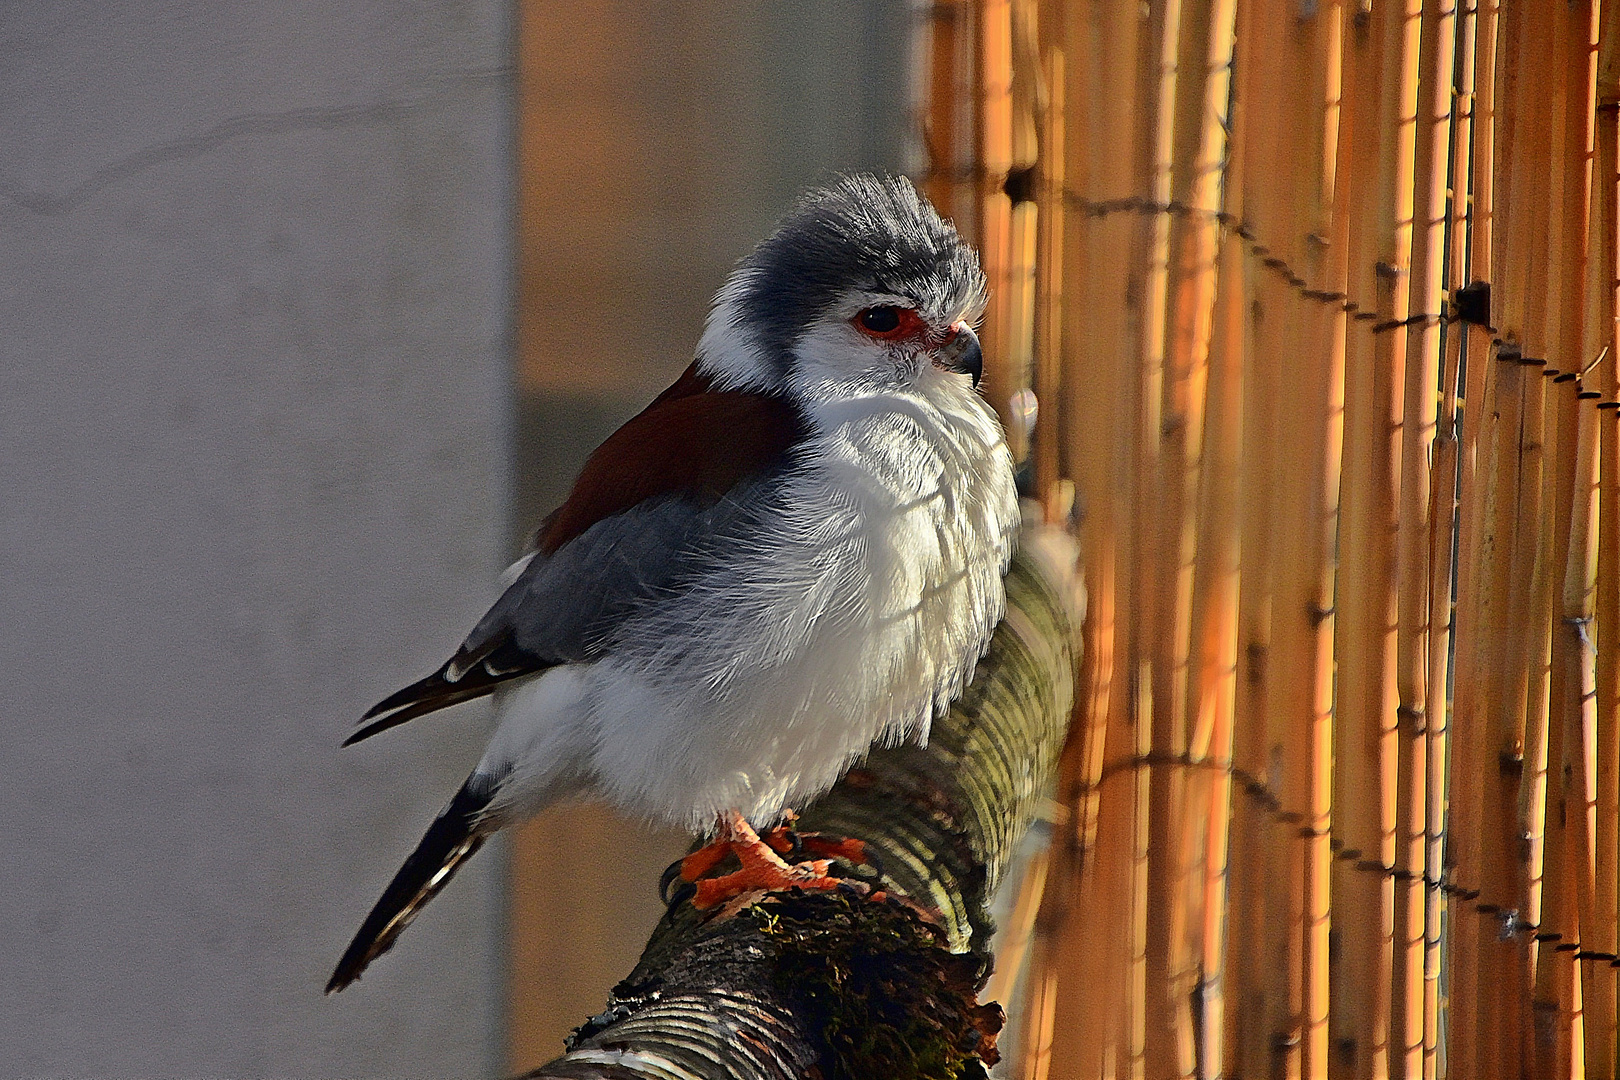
column 685, row 891
column 671, row 874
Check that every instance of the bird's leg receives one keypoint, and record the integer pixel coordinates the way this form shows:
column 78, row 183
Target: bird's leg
column 708, row 856
column 762, row 868
column 791, row 844
column 851, row 851
column 772, row 860
column 699, row 862
column 730, row 833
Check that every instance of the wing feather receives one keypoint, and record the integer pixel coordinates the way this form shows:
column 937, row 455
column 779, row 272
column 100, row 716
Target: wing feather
column 617, row 540
column 692, row 441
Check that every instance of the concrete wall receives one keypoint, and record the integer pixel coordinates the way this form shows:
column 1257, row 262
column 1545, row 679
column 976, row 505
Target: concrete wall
column 254, row 402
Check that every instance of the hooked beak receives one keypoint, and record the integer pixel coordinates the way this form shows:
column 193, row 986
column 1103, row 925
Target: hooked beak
column 961, row 353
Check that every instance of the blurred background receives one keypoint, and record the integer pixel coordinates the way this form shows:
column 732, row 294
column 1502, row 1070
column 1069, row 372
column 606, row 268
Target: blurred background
column 312, row 311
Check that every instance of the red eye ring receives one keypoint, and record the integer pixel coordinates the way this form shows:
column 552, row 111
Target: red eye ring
column 888, row 322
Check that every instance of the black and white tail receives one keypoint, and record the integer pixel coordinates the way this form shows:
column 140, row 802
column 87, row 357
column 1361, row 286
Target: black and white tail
column 454, row 835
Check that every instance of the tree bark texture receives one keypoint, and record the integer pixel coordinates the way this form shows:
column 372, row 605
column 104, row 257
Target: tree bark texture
column 836, row 986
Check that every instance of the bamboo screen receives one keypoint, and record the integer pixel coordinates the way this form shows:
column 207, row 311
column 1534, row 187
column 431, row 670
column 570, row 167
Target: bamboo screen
column 1307, row 309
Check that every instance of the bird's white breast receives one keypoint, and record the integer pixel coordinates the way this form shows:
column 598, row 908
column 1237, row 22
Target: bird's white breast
column 850, row 612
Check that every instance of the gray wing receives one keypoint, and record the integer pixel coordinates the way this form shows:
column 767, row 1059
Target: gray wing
column 562, row 608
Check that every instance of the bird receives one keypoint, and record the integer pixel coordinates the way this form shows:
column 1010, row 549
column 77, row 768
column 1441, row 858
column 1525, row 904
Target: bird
column 795, row 553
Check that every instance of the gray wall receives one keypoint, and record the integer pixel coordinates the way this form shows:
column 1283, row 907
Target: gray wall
column 253, row 410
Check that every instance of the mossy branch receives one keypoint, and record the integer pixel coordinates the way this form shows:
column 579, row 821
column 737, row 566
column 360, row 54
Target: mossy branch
column 839, row 987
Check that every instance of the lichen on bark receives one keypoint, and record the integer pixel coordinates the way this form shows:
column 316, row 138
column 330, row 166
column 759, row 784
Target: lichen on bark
column 840, row 986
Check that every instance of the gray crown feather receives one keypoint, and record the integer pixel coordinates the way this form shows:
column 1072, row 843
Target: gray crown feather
column 862, row 231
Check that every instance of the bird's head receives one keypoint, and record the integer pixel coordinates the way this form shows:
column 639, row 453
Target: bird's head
column 863, row 288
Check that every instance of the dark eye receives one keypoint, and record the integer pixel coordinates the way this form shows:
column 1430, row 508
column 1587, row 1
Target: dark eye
column 883, row 319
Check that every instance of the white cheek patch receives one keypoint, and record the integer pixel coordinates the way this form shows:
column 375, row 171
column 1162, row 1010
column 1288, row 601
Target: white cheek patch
column 833, row 353
column 728, row 352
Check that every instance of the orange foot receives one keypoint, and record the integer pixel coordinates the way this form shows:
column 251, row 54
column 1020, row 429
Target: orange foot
column 787, row 843
column 762, row 868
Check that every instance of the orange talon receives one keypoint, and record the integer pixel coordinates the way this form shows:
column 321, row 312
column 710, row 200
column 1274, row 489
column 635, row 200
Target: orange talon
column 763, row 877
column 762, row 868
column 852, row 851
column 704, row 859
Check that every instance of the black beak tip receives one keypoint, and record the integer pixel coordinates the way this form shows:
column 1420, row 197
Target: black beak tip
column 969, row 357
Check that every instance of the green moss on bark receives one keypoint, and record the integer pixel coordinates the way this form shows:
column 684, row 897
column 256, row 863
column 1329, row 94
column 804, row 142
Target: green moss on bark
column 874, row 984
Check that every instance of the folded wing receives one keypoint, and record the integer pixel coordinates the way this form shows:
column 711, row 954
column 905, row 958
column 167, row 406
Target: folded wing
column 621, row 538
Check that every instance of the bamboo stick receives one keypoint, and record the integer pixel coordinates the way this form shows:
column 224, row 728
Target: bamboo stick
column 1530, row 606
column 1470, row 735
column 1365, row 602
column 1576, row 61
column 1543, row 115
column 1416, row 352
column 1209, row 320
column 1270, row 1023
column 1599, row 342
column 993, row 81
column 1299, row 712
column 1502, row 744
column 947, row 146
column 1216, row 693
column 1469, row 751
column 1600, row 1011
column 1554, row 1032
column 1019, row 334
column 1521, row 156
column 1256, row 901
column 1532, row 627
column 1442, row 519
column 1023, row 251
column 1051, row 427
column 1443, row 530
column 1508, row 287
column 1581, row 707
column 1174, row 403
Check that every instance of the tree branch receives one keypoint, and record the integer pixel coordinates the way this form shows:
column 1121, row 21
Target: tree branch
column 843, row 987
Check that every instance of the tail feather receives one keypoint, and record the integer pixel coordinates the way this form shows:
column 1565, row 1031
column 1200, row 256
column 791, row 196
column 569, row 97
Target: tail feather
column 452, row 838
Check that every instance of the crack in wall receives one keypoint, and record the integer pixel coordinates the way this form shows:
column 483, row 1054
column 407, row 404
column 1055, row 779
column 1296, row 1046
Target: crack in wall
column 308, row 118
